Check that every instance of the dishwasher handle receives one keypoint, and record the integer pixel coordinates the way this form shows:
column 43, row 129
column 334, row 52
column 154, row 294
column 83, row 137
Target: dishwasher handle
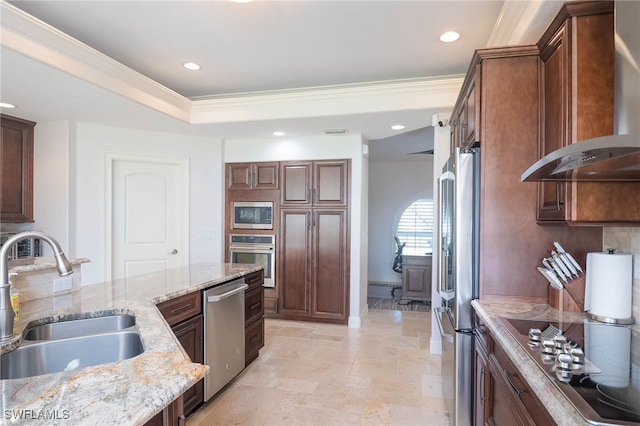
column 219, row 297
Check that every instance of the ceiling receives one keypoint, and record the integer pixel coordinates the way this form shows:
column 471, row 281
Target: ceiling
column 297, row 66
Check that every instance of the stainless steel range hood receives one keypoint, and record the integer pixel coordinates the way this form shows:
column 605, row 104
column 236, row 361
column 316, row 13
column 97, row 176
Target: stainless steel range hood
column 615, row 157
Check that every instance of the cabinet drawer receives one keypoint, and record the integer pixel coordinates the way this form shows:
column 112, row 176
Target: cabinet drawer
column 181, row 308
column 254, row 279
column 253, row 340
column 253, row 305
column 515, row 385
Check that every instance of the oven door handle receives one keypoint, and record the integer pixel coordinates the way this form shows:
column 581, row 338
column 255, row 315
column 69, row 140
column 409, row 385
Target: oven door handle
column 250, row 249
column 219, row 297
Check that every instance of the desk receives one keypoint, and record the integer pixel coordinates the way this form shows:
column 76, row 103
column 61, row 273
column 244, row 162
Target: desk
column 416, row 276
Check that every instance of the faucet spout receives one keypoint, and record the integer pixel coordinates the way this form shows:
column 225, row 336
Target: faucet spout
column 7, row 315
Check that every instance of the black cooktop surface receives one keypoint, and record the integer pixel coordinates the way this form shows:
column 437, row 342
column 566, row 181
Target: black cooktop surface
column 596, row 365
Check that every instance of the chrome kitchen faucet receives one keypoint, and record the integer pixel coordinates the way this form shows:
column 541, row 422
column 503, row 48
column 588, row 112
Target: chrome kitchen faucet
column 7, row 314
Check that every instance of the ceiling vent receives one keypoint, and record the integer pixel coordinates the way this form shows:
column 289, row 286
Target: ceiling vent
column 335, row 131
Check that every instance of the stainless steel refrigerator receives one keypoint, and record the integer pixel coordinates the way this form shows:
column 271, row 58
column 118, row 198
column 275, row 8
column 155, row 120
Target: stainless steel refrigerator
column 458, row 220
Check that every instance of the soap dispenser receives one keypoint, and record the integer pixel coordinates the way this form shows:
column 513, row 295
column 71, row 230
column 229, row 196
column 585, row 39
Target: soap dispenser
column 15, row 296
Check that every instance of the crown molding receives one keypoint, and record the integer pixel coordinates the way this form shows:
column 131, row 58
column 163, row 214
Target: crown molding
column 522, row 22
column 330, row 100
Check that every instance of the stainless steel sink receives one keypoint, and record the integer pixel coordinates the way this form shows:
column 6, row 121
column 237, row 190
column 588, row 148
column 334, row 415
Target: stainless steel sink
column 34, row 358
column 80, row 327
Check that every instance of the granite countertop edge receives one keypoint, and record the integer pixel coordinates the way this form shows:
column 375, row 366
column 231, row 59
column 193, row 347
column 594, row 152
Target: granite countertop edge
column 128, row 392
column 556, row 403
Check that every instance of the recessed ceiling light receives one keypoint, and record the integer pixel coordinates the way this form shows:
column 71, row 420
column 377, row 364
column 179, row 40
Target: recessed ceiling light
column 397, row 127
column 449, row 37
column 191, row 66
column 6, row 105
column 277, row 133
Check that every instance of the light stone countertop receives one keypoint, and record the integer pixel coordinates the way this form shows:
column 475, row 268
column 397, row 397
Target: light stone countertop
column 557, row 404
column 128, row 392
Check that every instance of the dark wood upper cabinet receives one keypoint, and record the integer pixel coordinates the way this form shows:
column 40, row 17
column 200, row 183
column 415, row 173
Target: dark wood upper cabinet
column 576, row 103
column 246, row 176
column 465, row 118
column 315, row 183
column 16, row 175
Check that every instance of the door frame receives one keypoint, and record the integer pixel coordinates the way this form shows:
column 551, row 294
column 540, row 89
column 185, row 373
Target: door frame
column 110, row 158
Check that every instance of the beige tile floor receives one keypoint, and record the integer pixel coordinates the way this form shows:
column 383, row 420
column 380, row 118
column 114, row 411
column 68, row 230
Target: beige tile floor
column 321, row 374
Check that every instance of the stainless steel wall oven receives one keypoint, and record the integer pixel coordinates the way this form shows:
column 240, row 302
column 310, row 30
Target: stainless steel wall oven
column 255, row 249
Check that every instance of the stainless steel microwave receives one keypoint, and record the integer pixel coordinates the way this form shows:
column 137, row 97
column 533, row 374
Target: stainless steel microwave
column 252, row 215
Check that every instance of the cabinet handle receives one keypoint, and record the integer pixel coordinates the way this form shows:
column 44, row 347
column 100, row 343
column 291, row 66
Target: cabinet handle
column 482, row 397
column 514, row 387
column 254, row 338
column 181, row 308
column 185, row 330
column 254, row 306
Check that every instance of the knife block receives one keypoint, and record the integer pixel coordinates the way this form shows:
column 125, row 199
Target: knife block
column 571, row 299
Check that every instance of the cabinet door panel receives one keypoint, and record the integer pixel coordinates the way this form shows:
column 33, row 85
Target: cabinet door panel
column 330, row 273
column 265, row 175
column 555, row 122
column 16, row 170
column 239, row 176
column 190, row 335
column 295, row 261
column 296, row 183
column 330, row 183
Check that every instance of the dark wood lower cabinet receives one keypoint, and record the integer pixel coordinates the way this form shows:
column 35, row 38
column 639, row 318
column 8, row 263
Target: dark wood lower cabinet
column 189, row 334
column 253, row 316
column 502, row 397
column 184, row 315
column 172, row 415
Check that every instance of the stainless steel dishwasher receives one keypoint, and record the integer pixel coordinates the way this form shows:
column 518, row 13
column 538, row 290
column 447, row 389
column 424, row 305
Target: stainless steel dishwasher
column 223, row 334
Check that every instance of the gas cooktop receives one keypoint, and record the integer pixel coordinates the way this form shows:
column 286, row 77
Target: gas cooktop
column 596, row 365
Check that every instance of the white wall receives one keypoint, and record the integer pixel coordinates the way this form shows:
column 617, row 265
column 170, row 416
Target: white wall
column 318, row 148
column 393, row 186
column 91, row 142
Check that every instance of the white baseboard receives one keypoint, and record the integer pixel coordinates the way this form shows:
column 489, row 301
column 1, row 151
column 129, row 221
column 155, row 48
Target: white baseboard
column 435, row 346
column 356, row 322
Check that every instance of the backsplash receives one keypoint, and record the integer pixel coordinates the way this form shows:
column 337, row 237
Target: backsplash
column 627, row 240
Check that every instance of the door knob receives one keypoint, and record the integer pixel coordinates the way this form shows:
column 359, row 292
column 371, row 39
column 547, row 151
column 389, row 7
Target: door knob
column 173, row 252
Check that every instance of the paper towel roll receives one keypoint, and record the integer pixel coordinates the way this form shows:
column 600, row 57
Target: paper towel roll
column 608, row 284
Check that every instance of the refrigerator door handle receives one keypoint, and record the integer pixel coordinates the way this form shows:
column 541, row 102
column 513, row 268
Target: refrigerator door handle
column 440, row 312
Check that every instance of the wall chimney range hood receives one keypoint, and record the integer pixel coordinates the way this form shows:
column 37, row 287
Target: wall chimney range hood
column 615, row 157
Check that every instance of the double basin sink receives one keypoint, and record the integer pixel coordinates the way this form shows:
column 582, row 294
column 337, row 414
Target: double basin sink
column 67, row 345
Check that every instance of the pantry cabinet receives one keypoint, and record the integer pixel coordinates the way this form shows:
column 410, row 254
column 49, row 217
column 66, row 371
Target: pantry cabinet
column 252, row 176
column 314, row 267
column 16, row 174
column 576, row 103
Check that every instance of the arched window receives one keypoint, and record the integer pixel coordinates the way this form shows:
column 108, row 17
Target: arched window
column 416, row 226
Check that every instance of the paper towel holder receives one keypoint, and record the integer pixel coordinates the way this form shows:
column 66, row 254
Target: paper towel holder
column 607, row 320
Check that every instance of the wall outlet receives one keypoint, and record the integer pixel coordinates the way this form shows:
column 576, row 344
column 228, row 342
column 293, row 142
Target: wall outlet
column 62, row 284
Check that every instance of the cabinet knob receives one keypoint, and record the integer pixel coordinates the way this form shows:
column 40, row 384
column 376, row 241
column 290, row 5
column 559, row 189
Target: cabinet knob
column 173, row 252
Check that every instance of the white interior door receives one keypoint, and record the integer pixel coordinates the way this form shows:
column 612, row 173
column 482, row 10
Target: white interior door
column 149, row 212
